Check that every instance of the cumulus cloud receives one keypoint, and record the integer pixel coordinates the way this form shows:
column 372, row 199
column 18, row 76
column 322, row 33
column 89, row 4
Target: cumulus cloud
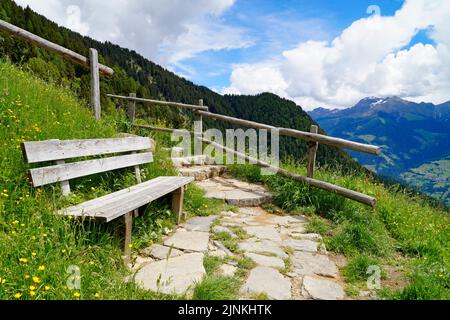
column 166, row 31
column 372, row 57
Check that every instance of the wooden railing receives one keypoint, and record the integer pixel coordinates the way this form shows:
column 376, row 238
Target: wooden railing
column 313, row 138
column 91, row 62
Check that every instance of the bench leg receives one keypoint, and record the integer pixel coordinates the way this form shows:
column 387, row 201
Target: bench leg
column 177, row 203
column 128, row 223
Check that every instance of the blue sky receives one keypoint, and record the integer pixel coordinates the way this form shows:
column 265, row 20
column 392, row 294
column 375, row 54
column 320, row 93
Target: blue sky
column 322, row 53
column 276, row 26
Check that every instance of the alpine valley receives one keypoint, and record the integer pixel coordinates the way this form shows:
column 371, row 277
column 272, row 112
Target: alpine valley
column 415, row 138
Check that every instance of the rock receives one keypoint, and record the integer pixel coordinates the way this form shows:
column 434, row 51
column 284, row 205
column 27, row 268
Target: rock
column 265, row 261
column 321, row 289
column 189, row 240
column 211, row 247
column 174, row 275
column 235, row 192
column 219, row 245
column 227, row 270
column 218, row 229
column 251, row 211
column 217, row 253
column 301, row 245
column 199, row 223
column 161, row 252
column 306, row 263
column 288, row 220
column 139, row 262
column 310, row 236
column 264, row 232
column 251, row 245
column 268, row 280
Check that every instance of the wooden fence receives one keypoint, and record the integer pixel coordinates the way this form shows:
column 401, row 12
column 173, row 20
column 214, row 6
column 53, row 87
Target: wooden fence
column 313, row 138
column 91, row 62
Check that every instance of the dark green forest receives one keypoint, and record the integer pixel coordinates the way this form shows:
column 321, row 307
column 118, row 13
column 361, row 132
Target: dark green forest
column 134, row 73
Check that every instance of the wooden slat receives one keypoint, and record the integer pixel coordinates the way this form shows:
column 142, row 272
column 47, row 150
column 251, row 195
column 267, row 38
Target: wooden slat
column 50, row 150
column 116, row 204
column 159, row 102
column 312, row 151
column 69, row 54
column 52, row 174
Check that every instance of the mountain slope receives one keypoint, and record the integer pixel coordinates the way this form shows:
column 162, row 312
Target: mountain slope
column 412, row 134
column 134, row 73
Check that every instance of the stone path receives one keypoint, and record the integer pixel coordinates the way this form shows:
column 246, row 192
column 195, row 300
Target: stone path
column 289, row 263
column 235, row 192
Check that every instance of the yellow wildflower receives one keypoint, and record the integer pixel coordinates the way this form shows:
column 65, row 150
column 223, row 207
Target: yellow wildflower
column 97, row 295
column 2, row 280
column 41, row 268
column 46, row 288
column 32, row 293
column 34, row 254
column 36, row 279
column 27, row 276
column 15, row 222
column 18, row 295
column 23, row 260
column 76, row 294
column 32, row 288
column 130, row 245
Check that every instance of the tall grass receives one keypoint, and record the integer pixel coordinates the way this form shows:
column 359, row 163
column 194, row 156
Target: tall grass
column 401, row 223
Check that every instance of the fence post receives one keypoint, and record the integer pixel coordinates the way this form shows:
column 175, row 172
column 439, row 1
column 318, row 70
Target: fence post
column 198, row 135
column 95, row 83
column 312, row 150
column 132, row 108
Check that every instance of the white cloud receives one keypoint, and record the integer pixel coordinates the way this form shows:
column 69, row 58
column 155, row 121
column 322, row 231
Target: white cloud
column 166, row 31
column 368, row 58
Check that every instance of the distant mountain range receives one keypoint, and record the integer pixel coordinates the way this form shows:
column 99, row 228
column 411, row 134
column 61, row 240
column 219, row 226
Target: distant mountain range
column 415, row 138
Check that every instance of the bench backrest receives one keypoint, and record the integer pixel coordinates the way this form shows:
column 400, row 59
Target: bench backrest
column 57, row 151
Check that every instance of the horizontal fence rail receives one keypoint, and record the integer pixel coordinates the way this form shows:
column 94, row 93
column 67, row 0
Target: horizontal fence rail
column 41, row 42
column 159, row 102
column 354, row 195
column 308, row 136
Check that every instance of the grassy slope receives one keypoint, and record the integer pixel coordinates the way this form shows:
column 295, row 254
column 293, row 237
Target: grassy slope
column 402, row 231
column 37, row 247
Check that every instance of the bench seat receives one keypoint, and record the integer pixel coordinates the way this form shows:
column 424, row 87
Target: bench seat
column 114, row 205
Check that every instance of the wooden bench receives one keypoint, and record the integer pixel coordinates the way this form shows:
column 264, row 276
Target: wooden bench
column 123, row 203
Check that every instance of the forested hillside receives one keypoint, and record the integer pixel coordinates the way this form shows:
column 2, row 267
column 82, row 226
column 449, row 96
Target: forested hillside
column 134, row 73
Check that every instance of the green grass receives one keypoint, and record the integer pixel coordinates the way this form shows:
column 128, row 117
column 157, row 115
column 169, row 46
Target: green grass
column 401, row 223
column 217, row 288
column 38, row 248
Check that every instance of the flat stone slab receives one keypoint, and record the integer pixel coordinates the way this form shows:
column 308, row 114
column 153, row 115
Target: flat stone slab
column 174, row 275
column 227, row 270
column 262, row 246
column 199, row 223
column 270, row 281
column 321, row 289
column 161, row 252
column 301, row 245
column 265, row 261
column 189, row 240
column 263, row 232
column 235, row 192
column 309, row 236
column 306, row 263
column 219, row 229
column 201, row 173
column 288, row 220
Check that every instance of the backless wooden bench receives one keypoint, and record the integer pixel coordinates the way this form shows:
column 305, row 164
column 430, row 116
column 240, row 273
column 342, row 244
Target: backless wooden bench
column 124, row 152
